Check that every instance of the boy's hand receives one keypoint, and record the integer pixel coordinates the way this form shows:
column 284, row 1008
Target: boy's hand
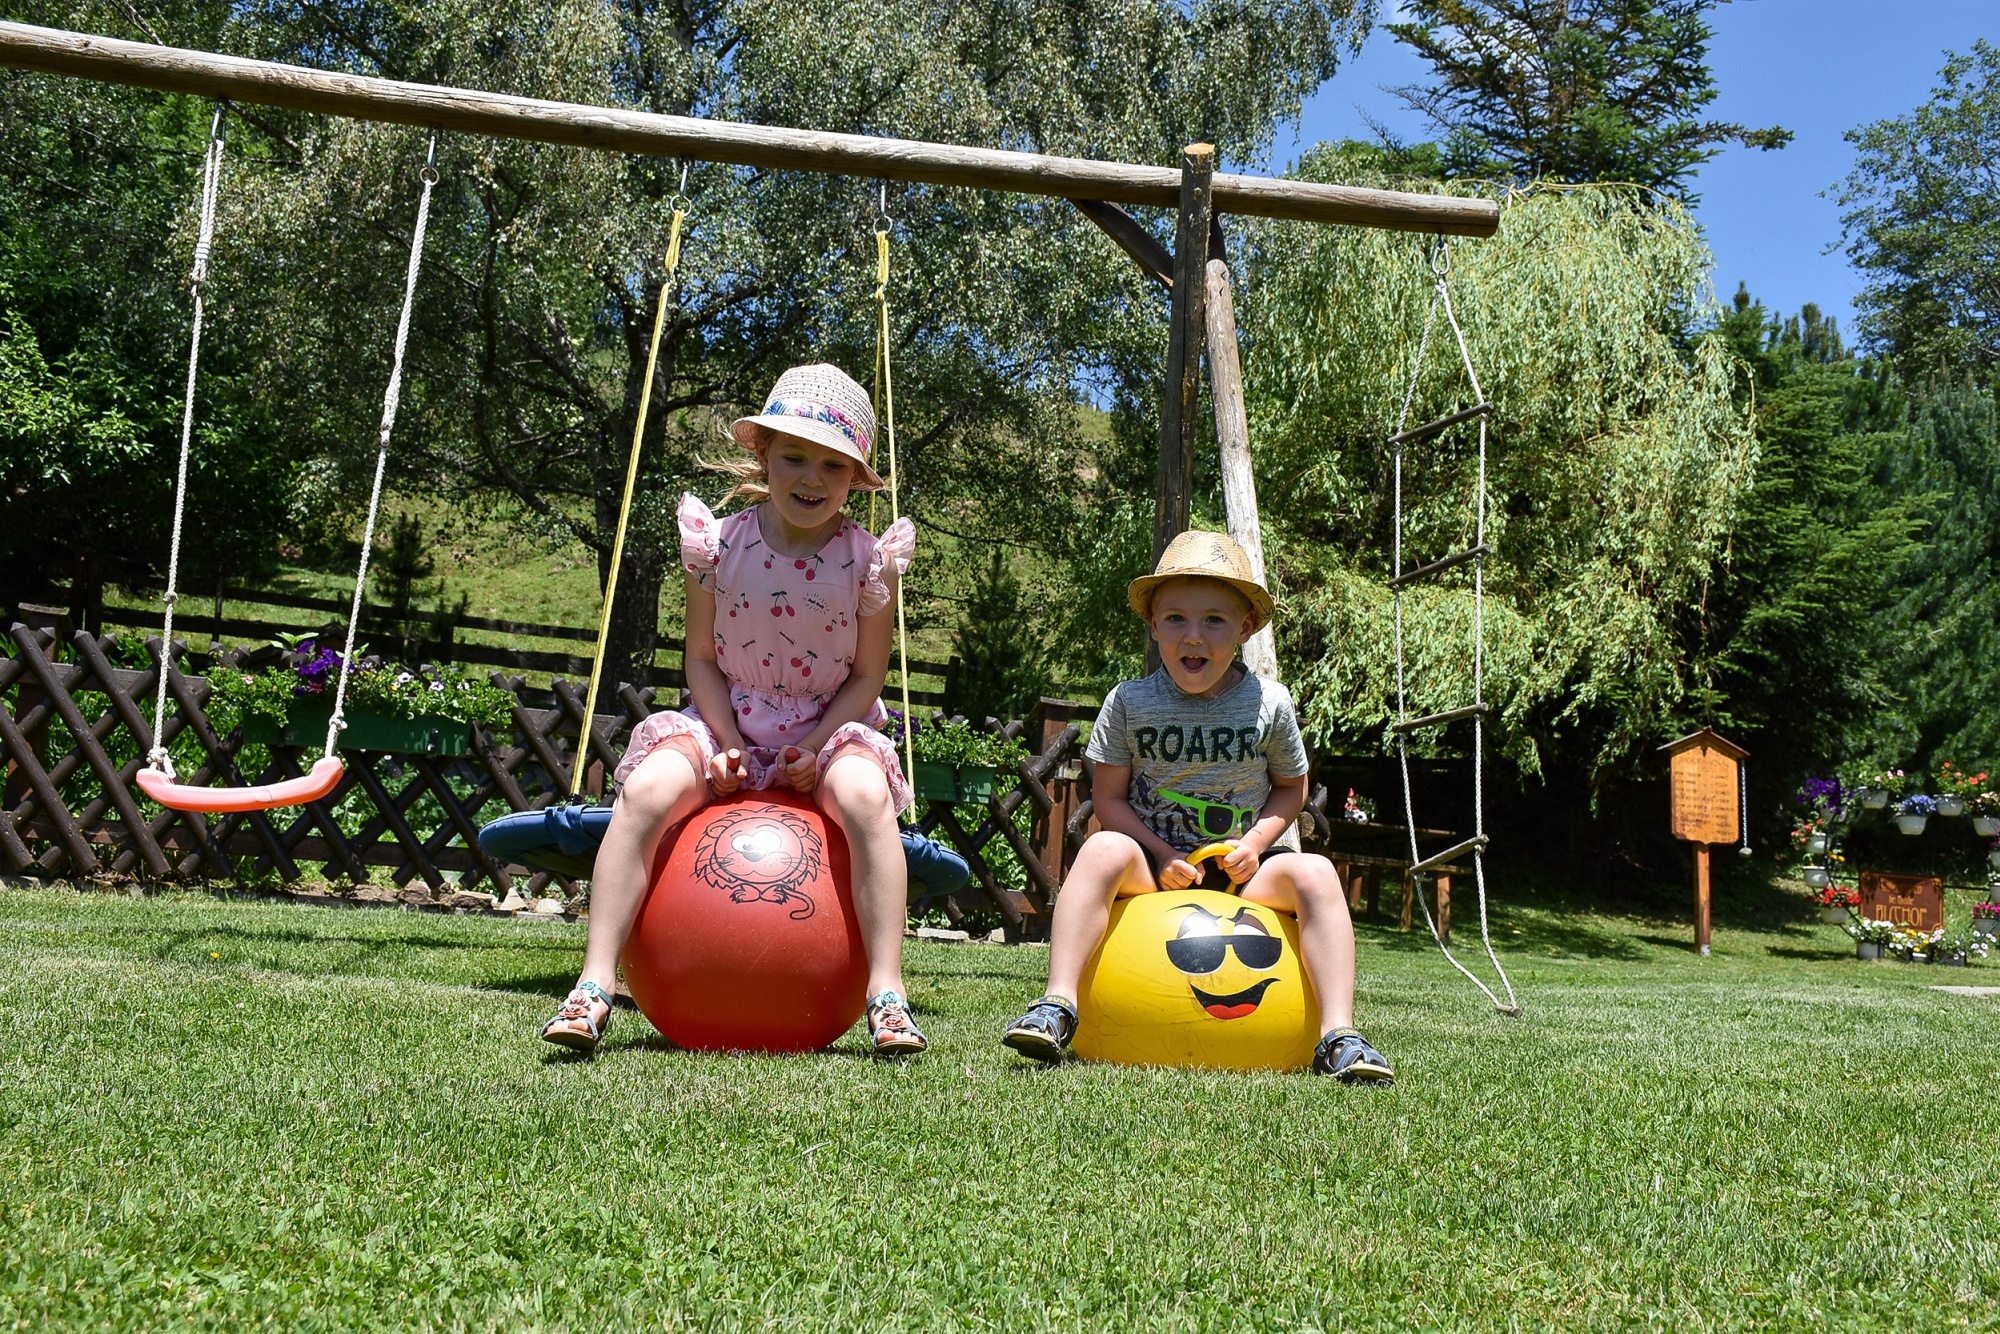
column 1178, row 874
column 1240, row 863
column 801, row 769
column 725, row 773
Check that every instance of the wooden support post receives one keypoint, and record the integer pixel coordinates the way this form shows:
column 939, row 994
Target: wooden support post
column 1232, row 436
column 1443, row 883
column 1180, row 412
column 1701, row 898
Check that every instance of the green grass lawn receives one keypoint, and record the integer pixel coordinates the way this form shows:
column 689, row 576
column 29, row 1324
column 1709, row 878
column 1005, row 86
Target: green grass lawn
column 231, row 1114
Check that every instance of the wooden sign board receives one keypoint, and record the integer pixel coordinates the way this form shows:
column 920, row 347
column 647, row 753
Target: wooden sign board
column 1907, row 900
column 1705, row 773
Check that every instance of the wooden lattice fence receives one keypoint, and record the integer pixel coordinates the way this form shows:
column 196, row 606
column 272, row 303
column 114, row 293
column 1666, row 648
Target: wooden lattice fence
column 75, row 726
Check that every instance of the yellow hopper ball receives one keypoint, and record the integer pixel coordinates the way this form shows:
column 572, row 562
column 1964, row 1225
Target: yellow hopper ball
column 1199, row 979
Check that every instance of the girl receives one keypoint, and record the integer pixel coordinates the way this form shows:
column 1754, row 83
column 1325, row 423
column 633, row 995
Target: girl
column 787, row 646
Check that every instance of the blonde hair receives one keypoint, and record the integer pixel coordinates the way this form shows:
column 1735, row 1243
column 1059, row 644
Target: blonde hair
column 747, row 466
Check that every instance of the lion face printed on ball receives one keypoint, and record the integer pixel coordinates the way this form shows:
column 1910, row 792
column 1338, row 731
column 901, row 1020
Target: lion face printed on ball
column 1198, row 978
column 761, row 854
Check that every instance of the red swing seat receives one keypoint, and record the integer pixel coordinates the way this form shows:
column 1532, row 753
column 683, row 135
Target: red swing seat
column 323, row 778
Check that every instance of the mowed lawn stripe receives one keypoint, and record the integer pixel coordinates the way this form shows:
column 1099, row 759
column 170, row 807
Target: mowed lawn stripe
column 233, row 1114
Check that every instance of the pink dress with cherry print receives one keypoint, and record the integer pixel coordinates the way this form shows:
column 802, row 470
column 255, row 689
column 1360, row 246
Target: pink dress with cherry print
column 784, row 636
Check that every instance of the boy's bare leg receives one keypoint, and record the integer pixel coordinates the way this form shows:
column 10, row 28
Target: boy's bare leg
column 1307, row 886
column 664, row 790
column 855, row 795
column 1109, row 866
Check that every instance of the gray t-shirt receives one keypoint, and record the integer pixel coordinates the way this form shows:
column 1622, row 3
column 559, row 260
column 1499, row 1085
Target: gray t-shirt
column 1201, row 768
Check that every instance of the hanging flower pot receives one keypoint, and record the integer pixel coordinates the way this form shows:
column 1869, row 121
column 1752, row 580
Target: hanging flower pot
column 1993, row 858
column 1950, row 805
column 1875, row 798
column 1986, row 826
column 1834, row 916
column 1817, row 877
column 1914, row 824
column 1816, row 845
column 1867, row 949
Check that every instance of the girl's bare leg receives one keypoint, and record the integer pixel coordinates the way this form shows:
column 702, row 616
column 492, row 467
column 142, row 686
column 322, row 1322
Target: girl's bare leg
column 1307, row 886
column 1109, row 866
column 855, row 795
column 664, row 790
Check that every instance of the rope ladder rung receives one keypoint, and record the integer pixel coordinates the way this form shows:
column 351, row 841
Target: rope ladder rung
column 1437, row 719
column 1429, row 429
column 1450, row 854
column 1440, row 566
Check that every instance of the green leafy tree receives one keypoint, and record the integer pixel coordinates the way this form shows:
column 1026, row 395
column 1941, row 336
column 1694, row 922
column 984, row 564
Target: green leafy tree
column 1944, row 632
column 96, row 187
column 1791, row 641
column 1618, row 456
column 1571, row 90
column 1922, row 224
column 999, row 643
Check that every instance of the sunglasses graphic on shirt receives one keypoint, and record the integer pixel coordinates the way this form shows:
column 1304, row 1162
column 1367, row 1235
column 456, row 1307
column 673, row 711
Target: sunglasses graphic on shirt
column 1213, row 818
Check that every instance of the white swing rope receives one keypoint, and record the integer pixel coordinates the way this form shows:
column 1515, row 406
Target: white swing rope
column 391, row 400
column 157, row 758
column 1441, row 298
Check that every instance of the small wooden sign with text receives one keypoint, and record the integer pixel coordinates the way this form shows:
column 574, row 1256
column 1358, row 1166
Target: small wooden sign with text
column 1907, row 900
column 1704, row 778
column 1705, row 775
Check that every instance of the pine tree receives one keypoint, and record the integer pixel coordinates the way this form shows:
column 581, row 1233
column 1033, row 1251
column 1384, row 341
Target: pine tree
column 1572, row 90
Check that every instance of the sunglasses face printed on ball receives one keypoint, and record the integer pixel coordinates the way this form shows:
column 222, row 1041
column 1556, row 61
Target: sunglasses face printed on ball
column 1201, row 948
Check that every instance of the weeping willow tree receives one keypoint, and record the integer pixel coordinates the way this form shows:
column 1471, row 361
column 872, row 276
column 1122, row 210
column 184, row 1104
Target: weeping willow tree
column 1616, row 457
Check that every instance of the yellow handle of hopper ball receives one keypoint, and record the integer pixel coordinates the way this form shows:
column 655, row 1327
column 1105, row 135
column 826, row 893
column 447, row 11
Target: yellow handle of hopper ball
column 1207, row 850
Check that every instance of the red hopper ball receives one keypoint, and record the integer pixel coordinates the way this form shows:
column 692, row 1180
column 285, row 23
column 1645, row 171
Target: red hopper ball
column 748, row 940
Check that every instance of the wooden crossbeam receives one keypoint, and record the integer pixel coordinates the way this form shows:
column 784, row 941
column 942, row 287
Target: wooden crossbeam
column 1440, row 566
column 466, row 111
column 1438, row 719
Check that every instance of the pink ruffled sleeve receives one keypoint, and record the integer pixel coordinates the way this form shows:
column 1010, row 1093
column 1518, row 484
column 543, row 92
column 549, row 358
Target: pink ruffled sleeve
column 896, row 546
column 699, row 531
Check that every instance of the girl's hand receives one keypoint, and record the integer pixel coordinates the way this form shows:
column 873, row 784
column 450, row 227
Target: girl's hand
column 725, row 773
column 1239, row 864
column 1178, row 874
column 801, row 769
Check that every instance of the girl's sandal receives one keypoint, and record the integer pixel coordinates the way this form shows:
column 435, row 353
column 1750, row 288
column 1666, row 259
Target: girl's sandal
column 573, row 1026
column 894, row 1032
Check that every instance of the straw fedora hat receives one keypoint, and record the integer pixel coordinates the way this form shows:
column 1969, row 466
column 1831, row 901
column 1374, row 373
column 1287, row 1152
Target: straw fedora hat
column 1205, row 556
column 824, row 405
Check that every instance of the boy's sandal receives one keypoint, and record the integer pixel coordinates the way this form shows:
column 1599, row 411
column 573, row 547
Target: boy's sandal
column 1044, row 1032
column 573, row 1026
column 1352, row 1059
column 891, row 1028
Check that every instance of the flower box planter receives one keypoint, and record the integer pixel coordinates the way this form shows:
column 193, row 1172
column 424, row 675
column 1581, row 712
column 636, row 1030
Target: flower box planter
column 1951, row 805
column 1986, row 826
column 1955, row 959
column 305, row 725
column 953, row 782
column 1912, row 824
column 1866, row 949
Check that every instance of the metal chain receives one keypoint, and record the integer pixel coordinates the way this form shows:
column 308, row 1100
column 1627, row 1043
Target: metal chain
column 157, row 758
column 391, row 400
column 1441, row 299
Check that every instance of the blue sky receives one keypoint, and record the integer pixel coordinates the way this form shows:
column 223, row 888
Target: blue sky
column 1816, row 67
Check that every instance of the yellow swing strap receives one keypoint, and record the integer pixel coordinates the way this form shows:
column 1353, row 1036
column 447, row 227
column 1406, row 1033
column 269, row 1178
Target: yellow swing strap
column 885, row 411
column 582, row 758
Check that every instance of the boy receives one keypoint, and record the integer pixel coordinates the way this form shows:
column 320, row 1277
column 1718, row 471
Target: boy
column 1201, row 751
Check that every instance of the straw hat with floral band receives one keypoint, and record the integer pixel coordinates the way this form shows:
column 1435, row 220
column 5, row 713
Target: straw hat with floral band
column 821, row 404
column 1203, row 555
